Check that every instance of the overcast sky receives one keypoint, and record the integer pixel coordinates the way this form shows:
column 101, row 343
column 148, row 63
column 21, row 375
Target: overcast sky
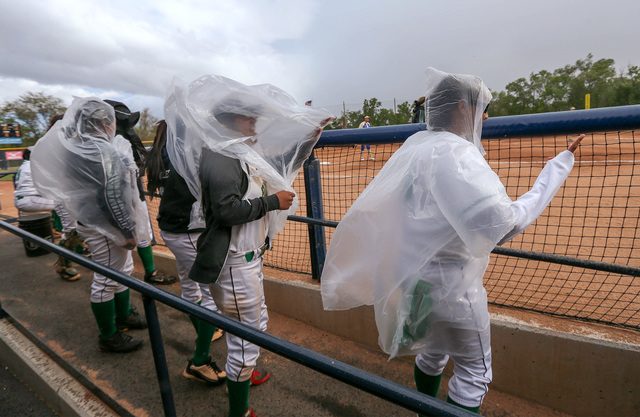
column 328, row 51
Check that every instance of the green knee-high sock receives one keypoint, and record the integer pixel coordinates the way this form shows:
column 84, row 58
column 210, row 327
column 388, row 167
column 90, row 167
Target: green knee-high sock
column 195, row 322
column 57, row 223
column 123, row 304
column 238, row 397
column 146, row 256
column 472, row 409
column 203, row 342
column 105, row 314
column 426, row 384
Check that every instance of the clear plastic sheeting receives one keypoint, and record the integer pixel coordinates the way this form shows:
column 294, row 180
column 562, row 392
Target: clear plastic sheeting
column 80, row 164
column 260, row 125
column 444, row 91
column 416, row 242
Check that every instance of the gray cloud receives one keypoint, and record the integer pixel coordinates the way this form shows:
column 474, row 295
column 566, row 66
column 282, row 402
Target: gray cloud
column 329, row 51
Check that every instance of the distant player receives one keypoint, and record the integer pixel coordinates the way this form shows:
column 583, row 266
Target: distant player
column 363, row 125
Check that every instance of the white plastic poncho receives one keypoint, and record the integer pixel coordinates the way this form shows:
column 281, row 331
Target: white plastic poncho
column 285, row 133
column 416, row 242
column 80, row 164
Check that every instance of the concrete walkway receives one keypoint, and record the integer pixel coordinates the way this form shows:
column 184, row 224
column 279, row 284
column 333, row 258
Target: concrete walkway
column 16, row 399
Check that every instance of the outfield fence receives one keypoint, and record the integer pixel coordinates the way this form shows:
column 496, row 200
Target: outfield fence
column 579, row 259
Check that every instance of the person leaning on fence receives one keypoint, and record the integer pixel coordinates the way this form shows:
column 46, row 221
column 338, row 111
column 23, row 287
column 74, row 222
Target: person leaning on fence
column 94, row 183
column 174, row 213
column 439, row 211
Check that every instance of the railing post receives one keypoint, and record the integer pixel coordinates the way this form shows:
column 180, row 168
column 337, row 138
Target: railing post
column 159, row 358
column 313, row 192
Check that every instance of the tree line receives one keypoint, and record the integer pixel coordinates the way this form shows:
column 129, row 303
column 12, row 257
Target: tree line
column 33, row 111
column 565, row 88
column 544, row 91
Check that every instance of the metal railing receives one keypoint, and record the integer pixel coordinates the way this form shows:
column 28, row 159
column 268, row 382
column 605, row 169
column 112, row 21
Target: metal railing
column 375, row 385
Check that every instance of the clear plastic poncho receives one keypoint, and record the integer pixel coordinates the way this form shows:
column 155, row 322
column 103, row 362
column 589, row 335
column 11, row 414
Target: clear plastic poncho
column 416, row 242
column 80, row 164
column 202, row 114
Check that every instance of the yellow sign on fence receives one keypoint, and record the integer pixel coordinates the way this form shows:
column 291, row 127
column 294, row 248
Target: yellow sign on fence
column 587, row 101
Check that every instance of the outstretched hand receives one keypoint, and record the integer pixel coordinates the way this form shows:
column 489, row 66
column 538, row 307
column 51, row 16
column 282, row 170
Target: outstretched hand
column 576, row 142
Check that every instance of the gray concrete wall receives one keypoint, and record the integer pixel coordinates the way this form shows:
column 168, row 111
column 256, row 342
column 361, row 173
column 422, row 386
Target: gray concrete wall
column 578, row 375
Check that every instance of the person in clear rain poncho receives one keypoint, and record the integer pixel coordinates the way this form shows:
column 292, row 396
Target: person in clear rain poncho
column 416, row 242
column 173, row 221
column 81, row 164
column 239, row 148
column 125, row 121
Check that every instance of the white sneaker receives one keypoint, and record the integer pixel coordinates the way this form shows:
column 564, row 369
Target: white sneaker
column 362, row 158
column 209, row 372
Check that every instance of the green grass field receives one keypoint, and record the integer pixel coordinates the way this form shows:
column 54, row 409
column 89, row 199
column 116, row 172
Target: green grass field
column 4, row 177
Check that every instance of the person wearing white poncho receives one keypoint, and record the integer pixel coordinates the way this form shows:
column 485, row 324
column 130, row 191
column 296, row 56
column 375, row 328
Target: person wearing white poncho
column 239, row 148
column 416, row 243
column 81, row 164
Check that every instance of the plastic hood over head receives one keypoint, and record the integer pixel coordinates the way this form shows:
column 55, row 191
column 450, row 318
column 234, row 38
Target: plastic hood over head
column 125, row 121
column 80, row 164
column 455, row 103
column 261, row 125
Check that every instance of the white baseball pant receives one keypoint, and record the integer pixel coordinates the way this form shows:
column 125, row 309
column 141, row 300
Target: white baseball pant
column 106, row 252
column 183, row 247
column 239, row 294
column 68, row 222
column 143, row 243
column 471, row 375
